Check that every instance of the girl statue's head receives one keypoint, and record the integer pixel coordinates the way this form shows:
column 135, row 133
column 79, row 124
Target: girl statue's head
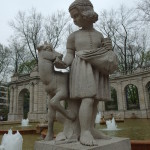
column 85, row 7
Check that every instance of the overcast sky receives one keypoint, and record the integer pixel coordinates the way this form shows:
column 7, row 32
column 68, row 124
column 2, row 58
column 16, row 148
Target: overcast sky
column 10, row 8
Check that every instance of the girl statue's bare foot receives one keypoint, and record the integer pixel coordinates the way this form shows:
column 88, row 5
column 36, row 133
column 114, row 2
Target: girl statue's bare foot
column 87, row 139
column 60, row 137
column 99, row 135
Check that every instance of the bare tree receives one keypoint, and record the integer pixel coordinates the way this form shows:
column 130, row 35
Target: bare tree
column 29, row 28
column 19, row 54
column 142, row 48
column 144, row 7
column 120, row 25
column 4, row 61
column 55, row 27
column 32, row 29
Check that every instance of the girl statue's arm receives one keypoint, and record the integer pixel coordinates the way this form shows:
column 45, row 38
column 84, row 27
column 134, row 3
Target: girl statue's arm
column 69, row 57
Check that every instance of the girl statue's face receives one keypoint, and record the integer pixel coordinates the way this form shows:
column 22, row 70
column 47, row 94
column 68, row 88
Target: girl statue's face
column 77, row 17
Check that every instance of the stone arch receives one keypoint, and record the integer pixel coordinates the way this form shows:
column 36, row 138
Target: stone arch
column 21, row 88
column 23, row 102
column 130, row 82
column 112, row 105
column 132, row 97
column 147, row 87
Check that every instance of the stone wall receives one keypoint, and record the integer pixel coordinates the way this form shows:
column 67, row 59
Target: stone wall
column 37, row 103
column 38, row 97
column 140, row 79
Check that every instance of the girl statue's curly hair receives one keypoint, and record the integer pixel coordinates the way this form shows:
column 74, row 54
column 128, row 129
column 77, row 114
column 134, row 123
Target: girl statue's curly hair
column 85, row 7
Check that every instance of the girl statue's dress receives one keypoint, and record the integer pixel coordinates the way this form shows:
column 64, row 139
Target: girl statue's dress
column 85, row 80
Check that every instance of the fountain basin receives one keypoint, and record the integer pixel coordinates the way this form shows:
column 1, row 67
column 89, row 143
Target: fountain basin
column 32, row 131
column 140, row 144
column 135, row 129
column 14, row 126
column 103, row 121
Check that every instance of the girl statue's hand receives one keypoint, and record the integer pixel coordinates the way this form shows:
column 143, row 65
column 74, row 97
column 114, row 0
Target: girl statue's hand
column 60, row 64
column 107, row 44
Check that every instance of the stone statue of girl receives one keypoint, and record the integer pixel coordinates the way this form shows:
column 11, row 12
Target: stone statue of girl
column 87, row 84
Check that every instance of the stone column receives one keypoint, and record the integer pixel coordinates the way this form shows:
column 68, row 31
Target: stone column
column 120, row 94
column 41, row 98
column 15, row 100
column 11, row 100
column 31, row 97
column 142, row 102
column 123, row 96
column 36, row 90
column 45, row 102
column 142, row 99
column 146, row 97
column 101, row 107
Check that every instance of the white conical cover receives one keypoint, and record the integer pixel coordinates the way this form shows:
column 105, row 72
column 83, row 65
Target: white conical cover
column 12, row 141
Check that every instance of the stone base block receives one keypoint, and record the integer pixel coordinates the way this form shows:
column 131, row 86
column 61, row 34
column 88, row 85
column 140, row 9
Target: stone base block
column 15, row 117
column 37, row 116
column 113, row 144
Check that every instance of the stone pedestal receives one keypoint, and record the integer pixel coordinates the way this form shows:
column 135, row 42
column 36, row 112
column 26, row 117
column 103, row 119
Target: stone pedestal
column 113, row 144
column 15, row 117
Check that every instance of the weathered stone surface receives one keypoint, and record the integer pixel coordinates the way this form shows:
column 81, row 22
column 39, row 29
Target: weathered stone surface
column 113, row 144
